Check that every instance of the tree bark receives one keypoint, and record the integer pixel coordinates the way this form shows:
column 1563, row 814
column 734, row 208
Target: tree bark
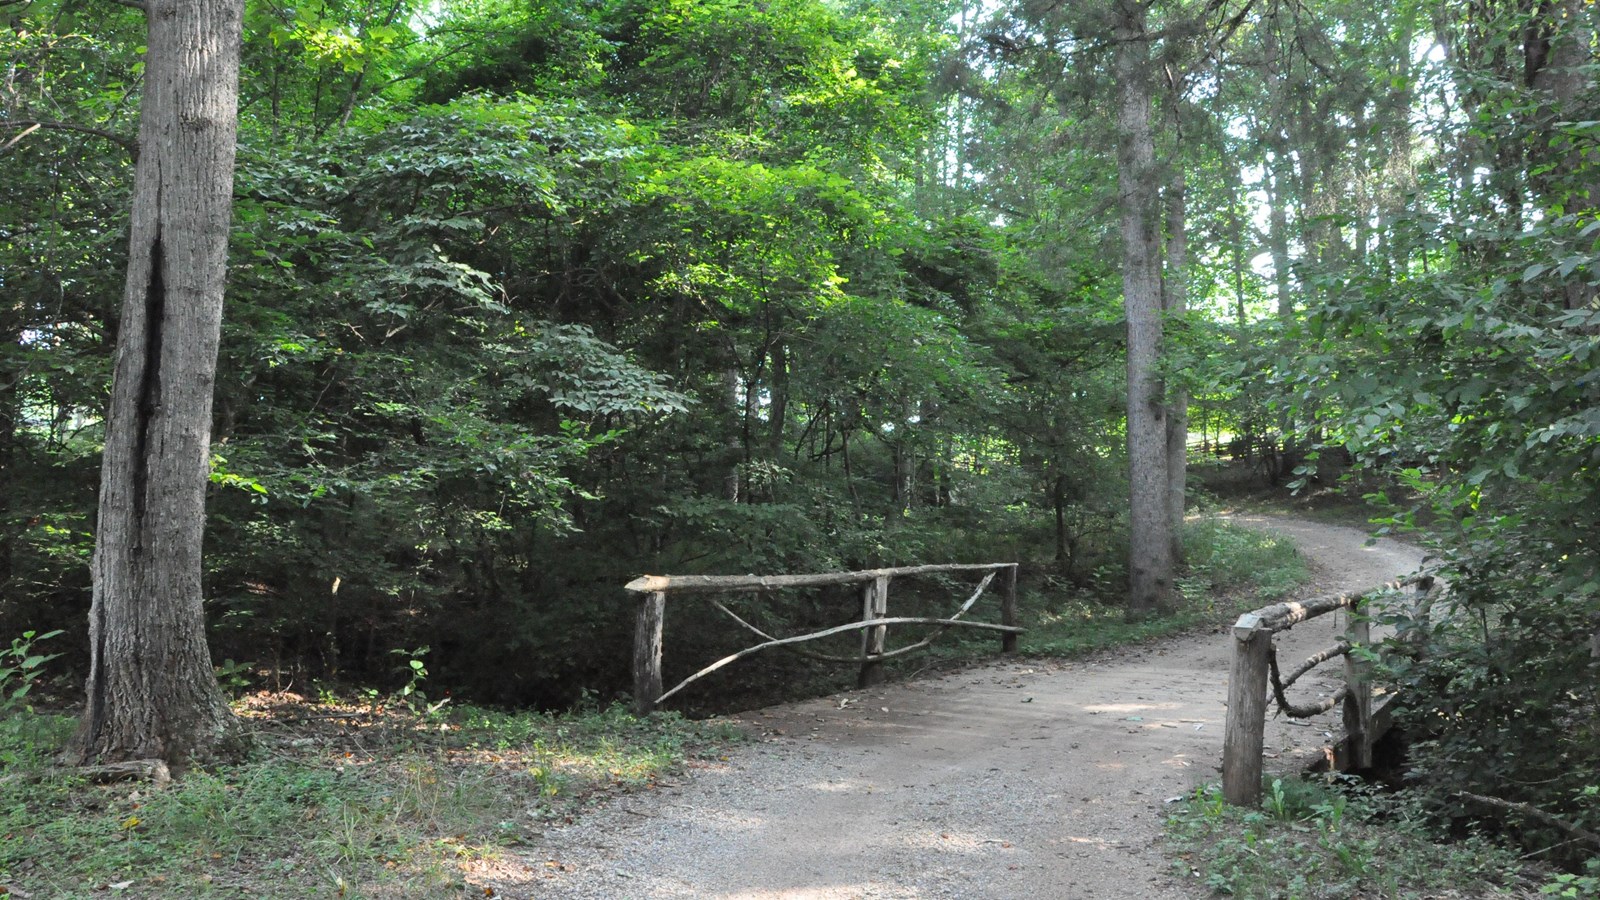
column 778, row 414
column 1176, row 301
column 1150, row 527
column 736, row 430
column 152, row 693
column 1559, row 66
column 1279, row 175
column 8, row 458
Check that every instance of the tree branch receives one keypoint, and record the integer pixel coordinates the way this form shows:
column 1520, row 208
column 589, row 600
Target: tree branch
column 136, row 4
column 1577, row 831
column 28, row 125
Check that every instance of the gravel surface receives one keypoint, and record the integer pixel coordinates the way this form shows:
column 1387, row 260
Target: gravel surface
column 1020, row 779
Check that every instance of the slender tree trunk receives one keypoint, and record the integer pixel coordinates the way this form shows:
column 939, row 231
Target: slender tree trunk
column 778, row 413
column 8, row 476
column 1177, row 302
column 1058, row 500
column 151, row 690
column 1149, row 525
column 736, row 431
column 1280, row 177
column 902, row 474
column 1236, row 236
column 1399, row 174
column 1279, row 173
column 1278, row 239
column 1564, row 79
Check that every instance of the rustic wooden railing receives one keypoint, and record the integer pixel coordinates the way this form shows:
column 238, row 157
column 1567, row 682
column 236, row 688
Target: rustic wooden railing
column 874, row 624
column 1255, row 664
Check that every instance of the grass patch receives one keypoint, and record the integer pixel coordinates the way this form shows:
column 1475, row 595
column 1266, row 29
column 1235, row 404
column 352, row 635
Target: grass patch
column 1084, row 626
column 340, row 800
column 1229, row 568
column 1315, row 840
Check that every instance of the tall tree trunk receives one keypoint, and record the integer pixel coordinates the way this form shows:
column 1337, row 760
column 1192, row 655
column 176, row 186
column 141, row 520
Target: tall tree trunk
column 151, row 689
column 1149, row 525
column 1236, row 238
column 778, row 413
column 1278, row 236
column 1058, row 501
column 1279, row 171
column 1560, row 64
column 8, row 477
column 1176, row 301
column 736, row 430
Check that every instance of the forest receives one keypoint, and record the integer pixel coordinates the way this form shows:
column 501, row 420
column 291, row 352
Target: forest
column 526, row 298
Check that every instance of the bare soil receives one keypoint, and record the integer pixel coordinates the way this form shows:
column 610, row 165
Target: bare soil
column 1020, row 779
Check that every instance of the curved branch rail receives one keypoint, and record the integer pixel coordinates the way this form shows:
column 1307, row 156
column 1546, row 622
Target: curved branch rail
column 873, row 625
column 1279, row 685
column 646, row 584
column 1255, row 665
column 829, row 632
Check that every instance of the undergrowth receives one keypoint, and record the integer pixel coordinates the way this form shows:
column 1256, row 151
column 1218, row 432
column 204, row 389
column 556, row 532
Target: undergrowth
column 1228, row 568
column 340, row 800
column 1320, row 840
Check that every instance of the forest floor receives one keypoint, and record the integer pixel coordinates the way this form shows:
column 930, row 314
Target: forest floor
column 1022, row 778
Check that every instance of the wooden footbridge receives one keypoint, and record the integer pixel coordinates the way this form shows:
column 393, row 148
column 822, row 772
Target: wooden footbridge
column 873, row 625
column 1256, row 680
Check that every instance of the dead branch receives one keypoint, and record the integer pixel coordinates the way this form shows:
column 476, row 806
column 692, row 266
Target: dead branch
column 829, row 632
column 649, row 584
column 1300, row 712
column 1534, row 812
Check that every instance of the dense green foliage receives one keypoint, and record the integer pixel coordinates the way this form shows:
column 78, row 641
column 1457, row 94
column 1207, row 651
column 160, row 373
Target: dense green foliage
column 528, row 298
column 1458, row 356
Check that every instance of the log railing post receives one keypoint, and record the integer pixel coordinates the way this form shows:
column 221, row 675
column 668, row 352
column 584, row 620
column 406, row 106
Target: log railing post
column 874, row 605
column 651, row 616
column 1358, row 701
column 1245, row 732
column 1008, row 611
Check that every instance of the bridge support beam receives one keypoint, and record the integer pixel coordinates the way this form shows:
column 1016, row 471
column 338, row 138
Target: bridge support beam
column 1358, row 702
column 650, row 618
column 1008, row 611
column 874, row 605
column 1245, row 735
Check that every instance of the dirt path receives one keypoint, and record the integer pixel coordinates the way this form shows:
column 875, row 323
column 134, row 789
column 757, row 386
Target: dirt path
column 1021, row 779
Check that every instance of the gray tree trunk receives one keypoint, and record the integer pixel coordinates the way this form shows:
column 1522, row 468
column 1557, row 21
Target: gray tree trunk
column 1149, row 525
column 1176, row 301
column 1564, row 79
column 1279, row 174
column 730, row 478
column 151, row 691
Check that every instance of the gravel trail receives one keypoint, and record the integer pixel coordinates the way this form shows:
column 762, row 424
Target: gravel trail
column 1017, row 779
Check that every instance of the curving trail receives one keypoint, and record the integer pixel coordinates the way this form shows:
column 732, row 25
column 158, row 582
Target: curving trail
column 1019, row 779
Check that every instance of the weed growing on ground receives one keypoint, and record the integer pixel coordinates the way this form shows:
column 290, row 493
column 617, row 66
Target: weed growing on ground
column 1320, row 840
column 341, row 800
column 1228, row 569
column 1224, row 558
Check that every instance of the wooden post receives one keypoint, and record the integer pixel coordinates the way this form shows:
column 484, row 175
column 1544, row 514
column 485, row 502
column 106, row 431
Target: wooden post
column 1008, row 611
column 874, row 605
column 1358, row 702
column 651, row 616
column 1247, row 713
